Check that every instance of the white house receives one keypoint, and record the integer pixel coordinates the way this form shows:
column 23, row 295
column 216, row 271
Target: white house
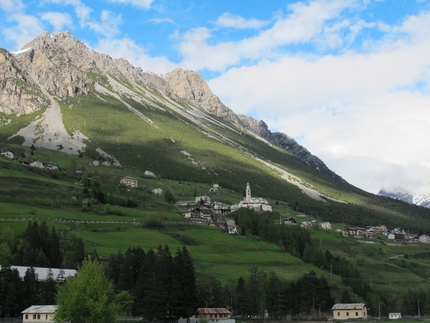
column 424, row 238
column 157, row 191
column 38, row 164
column 349, row 311
column 148, row 173
column 325, row 225
column 39, row 313
column 394, row 316
column 8, row 154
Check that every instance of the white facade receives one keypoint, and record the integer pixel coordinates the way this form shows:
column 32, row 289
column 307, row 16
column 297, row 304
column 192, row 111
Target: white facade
column 39, row 313
column 148, row 173
column 325, row 225
column 257, row 204
column 424, row 238
column 394, row 316
column 8, row 154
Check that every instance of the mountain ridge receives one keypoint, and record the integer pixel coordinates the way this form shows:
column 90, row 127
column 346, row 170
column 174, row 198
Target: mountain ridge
column 60, row 63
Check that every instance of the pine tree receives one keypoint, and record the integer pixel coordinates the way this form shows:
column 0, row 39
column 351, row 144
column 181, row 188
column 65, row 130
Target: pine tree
column 55, row 255
column 31, row 287
column 48, row 289
column 12, row 294
column 144, row 285
column 241, row 298
column 184, row 285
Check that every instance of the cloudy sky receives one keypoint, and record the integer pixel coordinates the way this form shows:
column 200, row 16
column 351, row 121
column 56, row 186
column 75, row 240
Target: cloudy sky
column 348, row 79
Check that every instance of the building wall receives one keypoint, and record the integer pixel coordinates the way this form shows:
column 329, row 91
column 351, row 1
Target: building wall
column 350, row 314
column 37, row 318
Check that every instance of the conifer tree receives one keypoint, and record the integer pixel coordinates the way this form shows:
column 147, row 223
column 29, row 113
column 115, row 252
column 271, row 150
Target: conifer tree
column 184, row 285
column 31, row 287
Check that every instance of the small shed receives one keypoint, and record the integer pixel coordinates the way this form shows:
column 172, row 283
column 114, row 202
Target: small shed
column 39, row 313
column 349, row 311
column 394, row 316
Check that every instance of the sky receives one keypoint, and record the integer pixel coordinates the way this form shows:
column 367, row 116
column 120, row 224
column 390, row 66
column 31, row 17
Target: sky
column 347, row 79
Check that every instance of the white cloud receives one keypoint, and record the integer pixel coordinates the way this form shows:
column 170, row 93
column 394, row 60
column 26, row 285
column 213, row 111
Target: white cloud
column 145, row 4
column 136, row 55
column 26, row 29
column 11, row 5
column 229, row 20
column 161, row 20
column 58, row 19
column 304, row 23
column 108, row 24
column 362, row 113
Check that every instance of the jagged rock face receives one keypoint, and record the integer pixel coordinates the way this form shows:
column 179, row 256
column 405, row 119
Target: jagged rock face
column 18, row 93
column 190, row 86
column 260, row 128
column 65, row 67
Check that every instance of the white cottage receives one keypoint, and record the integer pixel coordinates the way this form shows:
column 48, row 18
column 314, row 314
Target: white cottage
column 39, row 313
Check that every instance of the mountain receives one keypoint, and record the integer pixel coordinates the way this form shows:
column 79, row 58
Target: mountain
column 61, row 66
column 57, row 93
column 402, row 195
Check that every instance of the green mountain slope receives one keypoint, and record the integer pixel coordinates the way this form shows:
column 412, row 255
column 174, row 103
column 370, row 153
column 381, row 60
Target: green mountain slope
column 87, row 107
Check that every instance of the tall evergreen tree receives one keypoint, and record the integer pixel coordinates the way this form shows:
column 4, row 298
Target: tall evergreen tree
column 55, row 255
column 31, row 288
column 48, row 289
column 12, row 296
column 184, row 284
column 143, row 285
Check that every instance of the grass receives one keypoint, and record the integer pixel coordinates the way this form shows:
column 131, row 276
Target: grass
column 217, row 155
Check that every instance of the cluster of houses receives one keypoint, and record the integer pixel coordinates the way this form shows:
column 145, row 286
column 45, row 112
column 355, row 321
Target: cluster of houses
column 36, row 163
column 395, row 235
column 209, row 213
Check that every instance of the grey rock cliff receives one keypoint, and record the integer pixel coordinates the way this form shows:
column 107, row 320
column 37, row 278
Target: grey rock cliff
column 66, row 67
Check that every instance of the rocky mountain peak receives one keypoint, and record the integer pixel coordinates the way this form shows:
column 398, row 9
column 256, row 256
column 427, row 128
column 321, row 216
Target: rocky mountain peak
column 64, row 66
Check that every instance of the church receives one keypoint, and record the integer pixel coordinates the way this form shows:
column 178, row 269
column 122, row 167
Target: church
column 256, row 203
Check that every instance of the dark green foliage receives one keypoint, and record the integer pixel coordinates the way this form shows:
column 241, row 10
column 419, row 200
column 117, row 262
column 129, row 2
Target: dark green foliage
column 209, row 291
column 168, row 197
column 12, row 293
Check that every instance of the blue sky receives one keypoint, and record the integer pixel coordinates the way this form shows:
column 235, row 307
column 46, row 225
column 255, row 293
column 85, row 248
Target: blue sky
column 349, row 79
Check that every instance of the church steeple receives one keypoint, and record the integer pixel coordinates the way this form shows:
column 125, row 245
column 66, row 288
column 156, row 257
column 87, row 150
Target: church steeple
column 248, row 193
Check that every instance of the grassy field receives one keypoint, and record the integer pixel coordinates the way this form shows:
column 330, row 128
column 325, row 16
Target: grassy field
column 393, row 269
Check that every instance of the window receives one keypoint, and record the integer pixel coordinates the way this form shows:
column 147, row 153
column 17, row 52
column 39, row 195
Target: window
column 46, row 318
column 38, row 316
column 34, row 316
column 347, row 313
column 197, row 316
column 26, row 316
column 338, row 313
column 356, row 313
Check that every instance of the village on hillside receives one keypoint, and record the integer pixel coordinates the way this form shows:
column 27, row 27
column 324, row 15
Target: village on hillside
column 205, row 212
